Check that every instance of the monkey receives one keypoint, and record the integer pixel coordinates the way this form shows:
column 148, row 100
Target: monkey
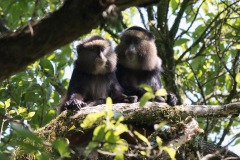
column 93, row 78
column 138, row 63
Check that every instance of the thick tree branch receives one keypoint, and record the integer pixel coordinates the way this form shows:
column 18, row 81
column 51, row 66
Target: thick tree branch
column 75, row 18
column 152, row 112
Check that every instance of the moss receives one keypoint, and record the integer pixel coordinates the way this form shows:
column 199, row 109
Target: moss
column 57, row 128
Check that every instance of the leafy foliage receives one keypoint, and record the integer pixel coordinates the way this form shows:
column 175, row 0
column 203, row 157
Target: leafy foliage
column 106, row 136
column 198, row 42
column 150, row 95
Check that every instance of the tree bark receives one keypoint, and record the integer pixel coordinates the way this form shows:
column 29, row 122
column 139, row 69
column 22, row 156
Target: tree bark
column 183, row 130
column 152, row 113
column 75, row 18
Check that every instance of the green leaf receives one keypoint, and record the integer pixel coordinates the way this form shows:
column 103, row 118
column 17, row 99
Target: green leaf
column 92, row 145
column 146, row 97
column 122, row 147
column 159, row 141
column 144, row 153
column 4, row 156
column 111, row 140
column 30, row 114
column 109, row 107
column 121, row 128
column 142, row 137
column 21, row 110
column 161, row 92
column 99, row 133
column 181, row 41
column 109, row 101
column 47, row 65
column 62, row 147
column 171, row 152
column 12, row 112
column 237, row 142
column 7, row 103
column 1, row 104
column 26, row 147
column 146, row 87
column 119, row 157
column 22, row 131
column 237, row 78
column 72, row 128
column 42, row 156
column 91, row 119
column 111, row 137
column 173, row 4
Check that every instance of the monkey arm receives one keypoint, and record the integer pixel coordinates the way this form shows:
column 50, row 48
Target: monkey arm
column 117, row 94
column 75, row 98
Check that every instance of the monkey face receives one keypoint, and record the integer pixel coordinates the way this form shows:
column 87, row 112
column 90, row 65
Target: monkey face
column 137, row 50
column 95, row 56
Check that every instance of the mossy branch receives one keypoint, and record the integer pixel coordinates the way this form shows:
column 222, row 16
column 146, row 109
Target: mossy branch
column 152, row 112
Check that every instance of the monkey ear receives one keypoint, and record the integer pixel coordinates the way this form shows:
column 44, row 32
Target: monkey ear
column 151, row 35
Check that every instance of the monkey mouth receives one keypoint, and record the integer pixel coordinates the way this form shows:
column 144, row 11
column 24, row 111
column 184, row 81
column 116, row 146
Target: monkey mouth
column 100, row 62
column 130, row 57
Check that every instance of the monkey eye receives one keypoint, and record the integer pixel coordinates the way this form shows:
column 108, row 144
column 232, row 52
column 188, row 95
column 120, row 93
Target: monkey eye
column 101, row 48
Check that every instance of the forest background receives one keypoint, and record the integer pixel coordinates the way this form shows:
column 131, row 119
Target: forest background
column 198, row 42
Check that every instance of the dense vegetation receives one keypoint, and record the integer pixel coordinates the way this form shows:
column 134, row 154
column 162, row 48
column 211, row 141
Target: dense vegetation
column 198, row 42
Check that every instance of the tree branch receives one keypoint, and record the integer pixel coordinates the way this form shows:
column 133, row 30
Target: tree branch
column 75, row 18
column 152, row 112
column 175, row 26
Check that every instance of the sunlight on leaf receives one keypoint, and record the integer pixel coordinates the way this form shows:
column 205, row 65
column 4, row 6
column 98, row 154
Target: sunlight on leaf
column 142, row 137
column 12, row 112
column 161, row 92
column 1, row 104
column 146, row 87
column 31, row 114
column 119, row 157
column 238, row 78
column 7, row 103
column 171, row 152
column 143, row 153
column 111, row 139
column 121, row 128
column 21, row 110
column 159, row 141
column 109, row 101
column 72, row 128
column 99, row 133
column 109, row 108
column 146, row 97
column 62, row 147
column 123, row 145
column 91, row 119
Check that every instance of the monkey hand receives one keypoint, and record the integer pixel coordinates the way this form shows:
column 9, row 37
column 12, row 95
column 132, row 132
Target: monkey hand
column 130, row 99
column 171, row 99
column 97, row 102
column 159, row 99
column 73, row 104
